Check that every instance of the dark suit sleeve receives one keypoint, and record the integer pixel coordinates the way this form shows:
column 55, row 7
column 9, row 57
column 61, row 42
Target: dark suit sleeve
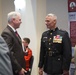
column 5, row 62
column 67, row 52
column 16, row 66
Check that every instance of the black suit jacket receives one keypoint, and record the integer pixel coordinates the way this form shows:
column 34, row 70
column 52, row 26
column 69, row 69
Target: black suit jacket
column 15, row 47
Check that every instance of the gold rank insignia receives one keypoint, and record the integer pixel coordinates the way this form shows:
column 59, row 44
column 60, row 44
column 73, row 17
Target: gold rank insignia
column 57, row 39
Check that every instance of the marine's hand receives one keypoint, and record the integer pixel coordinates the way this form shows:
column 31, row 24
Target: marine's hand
column 29, row 69
column 65, row 72
column 40, row 71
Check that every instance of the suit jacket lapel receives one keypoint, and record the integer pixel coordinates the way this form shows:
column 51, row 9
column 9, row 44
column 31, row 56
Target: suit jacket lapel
column 13, row 33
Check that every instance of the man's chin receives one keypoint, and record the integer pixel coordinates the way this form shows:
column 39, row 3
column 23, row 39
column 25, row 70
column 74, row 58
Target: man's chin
column 48, row 27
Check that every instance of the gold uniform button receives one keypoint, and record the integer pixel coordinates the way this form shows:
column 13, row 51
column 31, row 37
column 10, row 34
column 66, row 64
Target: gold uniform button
column 50, row 53
column 49, row 43
column 58, row 58
column 50, row 33
column 49, row 39
column 49, row 48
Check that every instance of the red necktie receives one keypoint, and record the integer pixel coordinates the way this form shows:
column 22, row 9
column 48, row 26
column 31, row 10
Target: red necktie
column 17, row 34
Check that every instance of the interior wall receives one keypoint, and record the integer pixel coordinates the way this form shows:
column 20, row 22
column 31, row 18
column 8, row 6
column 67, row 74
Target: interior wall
column 6, row 7
column 28, row 29
column 0, row 16
column 60, row 8
column 40, row 22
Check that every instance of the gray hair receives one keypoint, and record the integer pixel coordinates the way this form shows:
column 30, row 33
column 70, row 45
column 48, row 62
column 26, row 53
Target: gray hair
column 52, row 15
column 12, row 15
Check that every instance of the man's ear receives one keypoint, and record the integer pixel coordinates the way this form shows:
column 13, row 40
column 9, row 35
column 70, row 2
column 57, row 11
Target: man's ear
column 54, row 21
column 13, row 19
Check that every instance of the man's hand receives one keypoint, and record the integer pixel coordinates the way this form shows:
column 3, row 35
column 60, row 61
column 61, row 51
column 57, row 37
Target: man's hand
column 22, row 72
column 29, row 70
column 40, row 71
column 65, row 72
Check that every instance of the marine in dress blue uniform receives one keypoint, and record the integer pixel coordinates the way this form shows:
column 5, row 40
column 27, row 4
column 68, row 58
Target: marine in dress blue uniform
column 55, row 50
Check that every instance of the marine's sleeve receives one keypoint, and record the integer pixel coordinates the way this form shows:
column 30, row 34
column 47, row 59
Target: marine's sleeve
column 67, row 51
column 42, row 53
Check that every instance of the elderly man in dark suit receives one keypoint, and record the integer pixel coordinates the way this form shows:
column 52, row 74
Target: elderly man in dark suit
column 55, row 52
column 5, row 62
column 14, row 43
